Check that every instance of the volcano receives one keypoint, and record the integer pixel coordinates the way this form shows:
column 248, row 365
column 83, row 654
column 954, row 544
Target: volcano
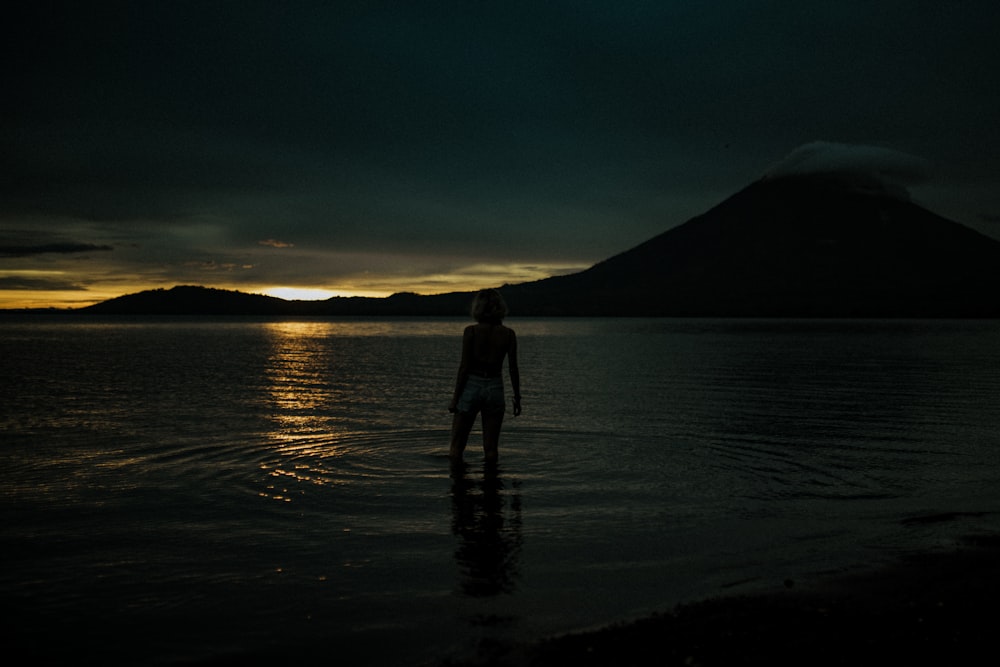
column 792, row 246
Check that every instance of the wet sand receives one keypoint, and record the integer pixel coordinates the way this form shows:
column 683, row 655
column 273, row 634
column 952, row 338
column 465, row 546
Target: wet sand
column 939, row 608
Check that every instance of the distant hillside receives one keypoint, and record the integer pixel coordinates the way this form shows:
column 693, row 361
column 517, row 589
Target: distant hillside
column 782, row 247
column 190, row 300
column 193, row 300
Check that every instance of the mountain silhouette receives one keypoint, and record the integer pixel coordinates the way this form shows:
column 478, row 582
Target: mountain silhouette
column 195, row 300
column 191, row 300
column 790, row 246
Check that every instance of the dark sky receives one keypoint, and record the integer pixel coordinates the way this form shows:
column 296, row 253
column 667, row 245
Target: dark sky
column 431, row 146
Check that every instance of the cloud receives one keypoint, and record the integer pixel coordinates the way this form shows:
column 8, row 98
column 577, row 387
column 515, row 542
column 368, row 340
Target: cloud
column 212, row 265
column 276, row 244
column 46, row 248
column 861, row 167
column 28, row 282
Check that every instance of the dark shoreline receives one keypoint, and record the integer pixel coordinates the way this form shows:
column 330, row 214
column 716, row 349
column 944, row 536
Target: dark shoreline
column 936, row 608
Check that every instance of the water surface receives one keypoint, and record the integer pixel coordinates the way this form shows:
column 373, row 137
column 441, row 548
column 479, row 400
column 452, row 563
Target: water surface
column 181, row 489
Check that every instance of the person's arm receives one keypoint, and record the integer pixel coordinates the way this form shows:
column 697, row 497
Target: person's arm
column 463, row 368
column 515, row 372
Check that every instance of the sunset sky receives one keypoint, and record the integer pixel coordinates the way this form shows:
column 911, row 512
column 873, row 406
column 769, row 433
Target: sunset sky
column 305, row 149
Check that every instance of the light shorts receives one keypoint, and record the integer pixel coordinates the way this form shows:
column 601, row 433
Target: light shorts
column 482, row 394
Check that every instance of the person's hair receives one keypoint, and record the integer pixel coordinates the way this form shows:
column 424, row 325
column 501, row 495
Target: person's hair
column 489, row 306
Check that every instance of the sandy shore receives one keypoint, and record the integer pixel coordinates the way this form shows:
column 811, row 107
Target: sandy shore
column 940, row 608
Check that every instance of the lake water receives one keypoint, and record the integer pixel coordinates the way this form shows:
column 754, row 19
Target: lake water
column 191, row 489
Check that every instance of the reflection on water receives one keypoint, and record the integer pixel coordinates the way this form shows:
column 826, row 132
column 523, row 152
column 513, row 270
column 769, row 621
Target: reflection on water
column 300, row 394
column 487, row 521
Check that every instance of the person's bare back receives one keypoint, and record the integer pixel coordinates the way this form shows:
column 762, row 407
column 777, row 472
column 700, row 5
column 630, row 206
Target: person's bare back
column 479, row 385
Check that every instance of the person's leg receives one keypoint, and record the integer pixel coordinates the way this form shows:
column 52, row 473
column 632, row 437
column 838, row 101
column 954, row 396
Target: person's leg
column 461, row 426
column 492, row 421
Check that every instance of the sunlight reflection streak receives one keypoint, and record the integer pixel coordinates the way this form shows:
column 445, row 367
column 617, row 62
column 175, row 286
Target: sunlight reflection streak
column 299, row 376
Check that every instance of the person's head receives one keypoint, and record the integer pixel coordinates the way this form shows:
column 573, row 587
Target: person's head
column 489, row 306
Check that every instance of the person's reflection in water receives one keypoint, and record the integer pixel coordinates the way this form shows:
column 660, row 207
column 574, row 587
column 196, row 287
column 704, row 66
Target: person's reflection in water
column 487, row 520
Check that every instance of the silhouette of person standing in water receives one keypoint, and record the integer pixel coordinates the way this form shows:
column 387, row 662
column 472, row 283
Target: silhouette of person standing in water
column 479, row 387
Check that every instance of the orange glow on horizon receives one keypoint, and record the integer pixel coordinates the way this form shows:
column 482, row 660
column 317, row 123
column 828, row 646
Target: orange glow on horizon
column 313, row 294
column 56, row 299
column 464, row 279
